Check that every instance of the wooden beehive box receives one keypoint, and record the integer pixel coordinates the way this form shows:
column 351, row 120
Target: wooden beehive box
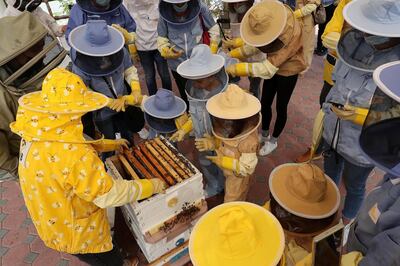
column 162, row 214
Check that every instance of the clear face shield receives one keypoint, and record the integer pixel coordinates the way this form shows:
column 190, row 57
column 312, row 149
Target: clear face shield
column 379, row 138
column 205, row 88
column 231, row 128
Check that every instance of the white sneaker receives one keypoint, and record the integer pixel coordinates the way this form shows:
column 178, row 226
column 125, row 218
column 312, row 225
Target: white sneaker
column 143, row 133
column 267, row 148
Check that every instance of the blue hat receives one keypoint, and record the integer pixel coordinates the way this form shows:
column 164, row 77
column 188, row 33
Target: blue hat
column 168, row 13
column 163, row 126
column 201, row 64
column 164, row 104
column 376, row 17
column 96, row 38
column 379, row 137
column 88, row 7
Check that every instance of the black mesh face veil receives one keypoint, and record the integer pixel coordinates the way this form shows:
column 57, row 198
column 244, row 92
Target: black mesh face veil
column 169, row 14
column 230, row 128
column 379, row 138
column 297, row 224
column 98, row 65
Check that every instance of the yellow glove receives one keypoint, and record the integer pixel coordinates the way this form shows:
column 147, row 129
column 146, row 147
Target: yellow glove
column 107, row 145
column 331, row 40
column 205, row 144
column 225, row 162
column 232, row 43
column 135, row 98
column 240, row 69
column 238, row 53
column 298, row 14
column 267, row 205
column 129, row 37
column 318, row 129
column 306, row 261
column 214, row 47
column 180, row 121
column 170, row 52
column 159, row 186
column 351, row 113
column 351, row 259
column 133, row 52
column 295, row 253
column 180, row 133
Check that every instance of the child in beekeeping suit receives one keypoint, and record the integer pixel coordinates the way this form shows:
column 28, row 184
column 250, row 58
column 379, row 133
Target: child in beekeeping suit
column 235, row 117
column 206, row 77
column 64, row 183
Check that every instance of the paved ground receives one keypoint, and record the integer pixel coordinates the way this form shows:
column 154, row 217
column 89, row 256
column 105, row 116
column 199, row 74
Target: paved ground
column 20, row 244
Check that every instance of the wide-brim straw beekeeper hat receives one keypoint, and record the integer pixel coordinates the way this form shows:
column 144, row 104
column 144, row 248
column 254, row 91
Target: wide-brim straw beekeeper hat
column 233, row 103
column 263, row 23
column 304, row 190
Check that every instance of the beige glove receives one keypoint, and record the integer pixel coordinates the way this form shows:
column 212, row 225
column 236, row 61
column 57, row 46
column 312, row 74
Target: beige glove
column 331, row 40
column 305, row 10
column 350, row 113
column 205, row 144
column 159, row 186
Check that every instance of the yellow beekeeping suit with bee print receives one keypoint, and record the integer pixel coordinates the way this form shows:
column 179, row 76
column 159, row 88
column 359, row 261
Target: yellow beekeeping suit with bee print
column 63, row 181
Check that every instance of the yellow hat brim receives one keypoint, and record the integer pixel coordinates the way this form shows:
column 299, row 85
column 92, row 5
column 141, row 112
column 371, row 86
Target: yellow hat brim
column 271, row 240
column 92, row 101
column 252, row 107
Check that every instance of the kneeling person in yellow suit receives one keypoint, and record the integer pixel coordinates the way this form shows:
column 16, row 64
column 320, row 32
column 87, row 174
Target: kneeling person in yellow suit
column 64, row 183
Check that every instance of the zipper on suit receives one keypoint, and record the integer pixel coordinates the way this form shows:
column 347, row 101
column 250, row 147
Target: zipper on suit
column 186, row 46
column 112, row 86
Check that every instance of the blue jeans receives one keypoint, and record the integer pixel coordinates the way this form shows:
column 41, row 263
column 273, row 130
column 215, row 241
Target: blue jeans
column 354, row 179
column 147, row 59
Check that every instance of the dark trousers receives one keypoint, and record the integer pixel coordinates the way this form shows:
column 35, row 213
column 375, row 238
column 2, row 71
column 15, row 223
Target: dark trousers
column 324, row 92
column 126, row 123
column 181, row 84
column 148, row 59
column 110, row 258
column 321, row 27
column 283, row 88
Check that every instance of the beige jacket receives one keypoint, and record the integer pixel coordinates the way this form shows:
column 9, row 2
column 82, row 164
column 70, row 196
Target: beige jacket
column 289, row 59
